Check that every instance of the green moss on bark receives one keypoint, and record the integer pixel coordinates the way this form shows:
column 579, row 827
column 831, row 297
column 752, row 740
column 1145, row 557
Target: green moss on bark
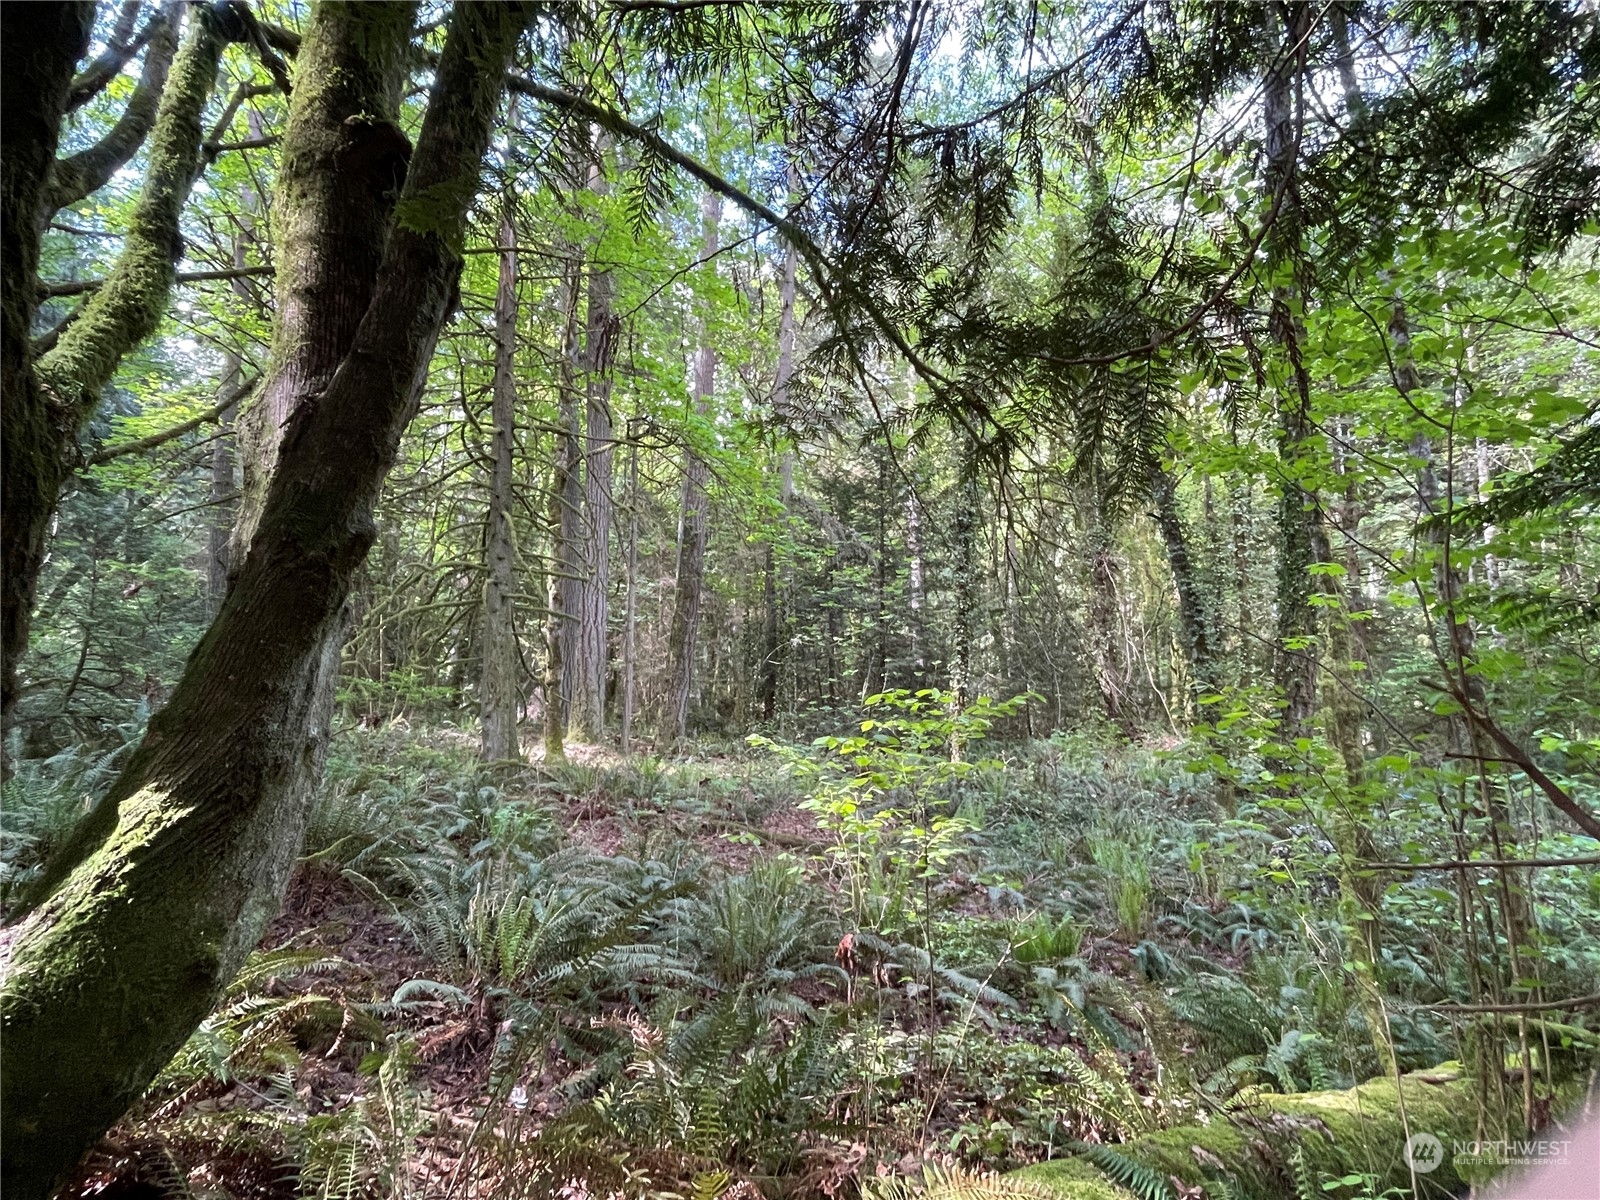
column 130, row 306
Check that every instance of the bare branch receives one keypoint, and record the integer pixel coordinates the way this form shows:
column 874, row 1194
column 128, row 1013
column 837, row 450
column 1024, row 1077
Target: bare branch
column 215, row 412
column 122, row 47
column 77, row 287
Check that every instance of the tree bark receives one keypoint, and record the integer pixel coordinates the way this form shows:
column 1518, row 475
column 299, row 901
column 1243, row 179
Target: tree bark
column 695, row 517
column 497, row 681
column 630, row 602
column 224, row 474
column 586, row 718
column 772, row 632
column 564, row 593
column 964, row 533
column 223, row 494
column 343, row 161
column 1194, row 618
column 164, row 890
column 1101, row 625
column 916, row 597
column 40, row 44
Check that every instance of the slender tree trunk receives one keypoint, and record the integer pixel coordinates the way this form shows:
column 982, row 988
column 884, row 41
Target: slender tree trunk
column 916, row 597
column 564, row 593
column 772, row 643
column 159, row 896
column 695, row 519
column 1101, row 625
column 1194, row 618
column 964, row 534
column 586, row 718
column 498, row 680
column 630, row 615
column 1301, row 541
column 224, row 482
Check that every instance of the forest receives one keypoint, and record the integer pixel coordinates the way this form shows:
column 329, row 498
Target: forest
column 750, row 599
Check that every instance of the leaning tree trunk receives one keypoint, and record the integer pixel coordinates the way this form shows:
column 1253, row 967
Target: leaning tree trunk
column 497, row 681
column 170, row 883
column 695, row 520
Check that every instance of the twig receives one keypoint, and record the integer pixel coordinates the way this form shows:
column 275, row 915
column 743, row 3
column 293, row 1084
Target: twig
column 107, row 453
column 1590, row 1001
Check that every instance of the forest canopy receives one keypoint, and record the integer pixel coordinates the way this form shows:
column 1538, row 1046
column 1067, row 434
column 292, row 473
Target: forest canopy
column 666, row 597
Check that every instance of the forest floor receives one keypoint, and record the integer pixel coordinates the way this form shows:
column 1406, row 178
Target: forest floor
column 639, row 976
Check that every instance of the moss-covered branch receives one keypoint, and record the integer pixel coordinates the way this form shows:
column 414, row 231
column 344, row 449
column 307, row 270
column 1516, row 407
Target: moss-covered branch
column 82, row 174
column 129, row 308
column 1284, row 1143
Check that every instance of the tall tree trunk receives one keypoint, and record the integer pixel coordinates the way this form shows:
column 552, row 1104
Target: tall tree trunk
column 1301, row 541
column 224, row 496
column 162, row 892
column 695, row 518
column 772, row 642
column 586, row 717
column 630, row 603
column 564, row 590
column 916, row 595
column 498, row 690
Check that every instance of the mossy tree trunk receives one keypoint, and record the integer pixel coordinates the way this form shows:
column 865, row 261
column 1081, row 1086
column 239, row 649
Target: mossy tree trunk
column 1194, row 612
column 166, row 888
column 40, row 44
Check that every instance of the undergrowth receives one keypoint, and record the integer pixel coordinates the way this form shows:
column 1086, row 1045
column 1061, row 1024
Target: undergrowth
column 617, row 979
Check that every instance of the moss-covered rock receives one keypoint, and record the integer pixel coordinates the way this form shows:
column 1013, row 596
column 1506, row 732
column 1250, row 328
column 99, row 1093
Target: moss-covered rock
column 1281, row 1145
